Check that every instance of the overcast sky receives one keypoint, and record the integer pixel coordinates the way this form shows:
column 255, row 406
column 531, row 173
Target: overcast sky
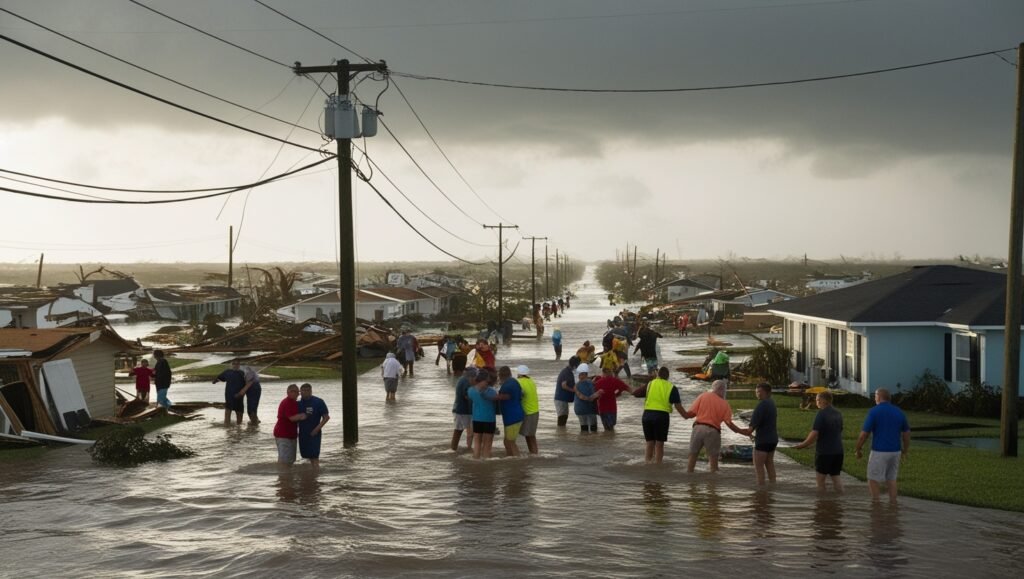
column 914, row 163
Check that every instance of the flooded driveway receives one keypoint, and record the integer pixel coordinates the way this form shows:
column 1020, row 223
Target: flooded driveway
column 401, row 503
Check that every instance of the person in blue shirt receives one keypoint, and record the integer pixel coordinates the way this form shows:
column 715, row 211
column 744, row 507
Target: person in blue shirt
column 234, row 383
column 556, row 342
column 565, row 390
column 463, row 409
column 586, row 394
column 512, row 414
column 311, row 427
column 890, row 441
column 484, row 399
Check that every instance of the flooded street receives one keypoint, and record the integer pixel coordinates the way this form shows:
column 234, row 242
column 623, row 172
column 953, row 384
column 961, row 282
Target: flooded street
column 401, row 503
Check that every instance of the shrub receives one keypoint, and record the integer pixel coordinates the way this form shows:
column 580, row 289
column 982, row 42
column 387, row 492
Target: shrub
column 979, row 400
column 770, row 362
column 129, row 447
column 929, row 394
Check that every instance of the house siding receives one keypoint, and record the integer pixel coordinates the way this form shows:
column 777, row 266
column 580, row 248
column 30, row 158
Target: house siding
column 94, row 365
column 899, row 355
column 992, row 364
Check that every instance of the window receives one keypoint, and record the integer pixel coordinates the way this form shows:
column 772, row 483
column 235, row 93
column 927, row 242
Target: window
column 962, row 358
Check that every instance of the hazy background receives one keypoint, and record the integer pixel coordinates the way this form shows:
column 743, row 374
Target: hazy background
column 912, row 163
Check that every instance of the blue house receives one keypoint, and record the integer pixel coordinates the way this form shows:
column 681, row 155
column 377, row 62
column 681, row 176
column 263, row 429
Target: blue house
column 887, row 332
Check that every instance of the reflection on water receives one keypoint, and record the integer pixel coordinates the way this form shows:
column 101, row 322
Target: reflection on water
column 401, row 503
column 885, row 547
column 706, row 506
column 657, row 503
column 299, row 485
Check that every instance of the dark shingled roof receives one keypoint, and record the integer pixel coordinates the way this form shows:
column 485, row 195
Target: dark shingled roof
column 944, row 294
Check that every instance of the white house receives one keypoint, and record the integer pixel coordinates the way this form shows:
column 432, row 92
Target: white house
column 369, row 306
column 752, row 298
column 35, row 308
column 682, row 288
column 886, row 333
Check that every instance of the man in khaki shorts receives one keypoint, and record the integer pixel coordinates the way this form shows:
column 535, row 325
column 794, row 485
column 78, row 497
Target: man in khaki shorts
column 890, row 441
column 531, row 408
column 710, row 411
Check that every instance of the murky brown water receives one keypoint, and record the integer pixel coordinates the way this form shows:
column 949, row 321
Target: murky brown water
column 401, row 503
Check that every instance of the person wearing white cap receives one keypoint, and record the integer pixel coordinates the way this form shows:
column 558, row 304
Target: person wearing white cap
column 531, row 407
column 584, row 406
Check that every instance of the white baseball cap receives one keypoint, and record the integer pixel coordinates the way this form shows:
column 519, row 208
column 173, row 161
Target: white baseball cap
column 522, row 370
column 583, row 369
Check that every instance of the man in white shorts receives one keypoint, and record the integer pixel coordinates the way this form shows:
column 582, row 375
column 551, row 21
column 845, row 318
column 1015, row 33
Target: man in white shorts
column 890, row 441
column 463, row 408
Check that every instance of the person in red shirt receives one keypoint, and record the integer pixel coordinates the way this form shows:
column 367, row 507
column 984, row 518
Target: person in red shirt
column 286, row 431
column 142, row 374
column 610, row 386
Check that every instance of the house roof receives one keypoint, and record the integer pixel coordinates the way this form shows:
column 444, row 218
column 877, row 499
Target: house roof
column 683, row 281
column 944, row 294
column 438, row 291
column 334, row 298
column 44, row 343
column 31, row 297
column 398, row 293
column 113, row 287
column 194, row 296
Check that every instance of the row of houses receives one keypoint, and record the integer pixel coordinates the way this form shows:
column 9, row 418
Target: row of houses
column 64, row 305
column 948, row 320
column 376, row 303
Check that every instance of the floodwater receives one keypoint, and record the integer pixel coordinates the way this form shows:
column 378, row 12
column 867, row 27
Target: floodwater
column 401, row 503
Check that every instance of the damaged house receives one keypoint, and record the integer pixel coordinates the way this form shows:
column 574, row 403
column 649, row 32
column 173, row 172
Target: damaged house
column 29, row 307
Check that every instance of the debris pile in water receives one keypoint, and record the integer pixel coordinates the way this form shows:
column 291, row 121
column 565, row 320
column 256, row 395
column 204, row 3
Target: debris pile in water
column 129, row 447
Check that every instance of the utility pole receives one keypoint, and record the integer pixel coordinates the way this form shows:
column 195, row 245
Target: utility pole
column 39, row 275
column 558, row 286
column 345, row 71
column 231, row 253
column 657, row 257
column 533, row 274
column 501, row 266
column 547, row 286
column 1011, row 361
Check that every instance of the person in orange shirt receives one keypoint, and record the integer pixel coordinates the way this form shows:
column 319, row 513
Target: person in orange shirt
column 710, row 411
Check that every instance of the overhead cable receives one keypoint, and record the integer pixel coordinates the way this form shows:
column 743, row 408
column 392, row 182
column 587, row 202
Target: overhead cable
column 411, row 226
column 163, row 201
column 161, row 191
column 213, row 36
column 375, row 167
column 703, row 88
column 445, row 155
column 152, row 96
column 425, row 174
column 332, row 41
column 157, row 74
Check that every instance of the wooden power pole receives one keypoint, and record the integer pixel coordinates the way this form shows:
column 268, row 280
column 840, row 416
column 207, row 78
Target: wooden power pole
column 501, row 267
column 231, row 254
column 1011, row 360
column 345, row 71
column 39, row 274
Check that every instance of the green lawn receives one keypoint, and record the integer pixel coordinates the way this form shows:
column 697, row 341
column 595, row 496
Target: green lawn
column 955, row 475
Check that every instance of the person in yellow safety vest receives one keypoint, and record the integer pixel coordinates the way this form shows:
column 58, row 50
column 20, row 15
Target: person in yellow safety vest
column 531, row 408
column 660, row 397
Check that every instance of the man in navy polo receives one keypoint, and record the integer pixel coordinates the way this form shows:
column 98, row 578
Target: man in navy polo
column 890, row 440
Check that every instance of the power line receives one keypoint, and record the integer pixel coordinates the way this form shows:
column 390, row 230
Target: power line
column 424, row 172
column 158, row 75
column 703, row 88
column 374, row 166
column 445, row 155
column 162, row 201
column 149, row 95
column 287, row 175
column 213, row 36
column 411, row 226
column 332, row 41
